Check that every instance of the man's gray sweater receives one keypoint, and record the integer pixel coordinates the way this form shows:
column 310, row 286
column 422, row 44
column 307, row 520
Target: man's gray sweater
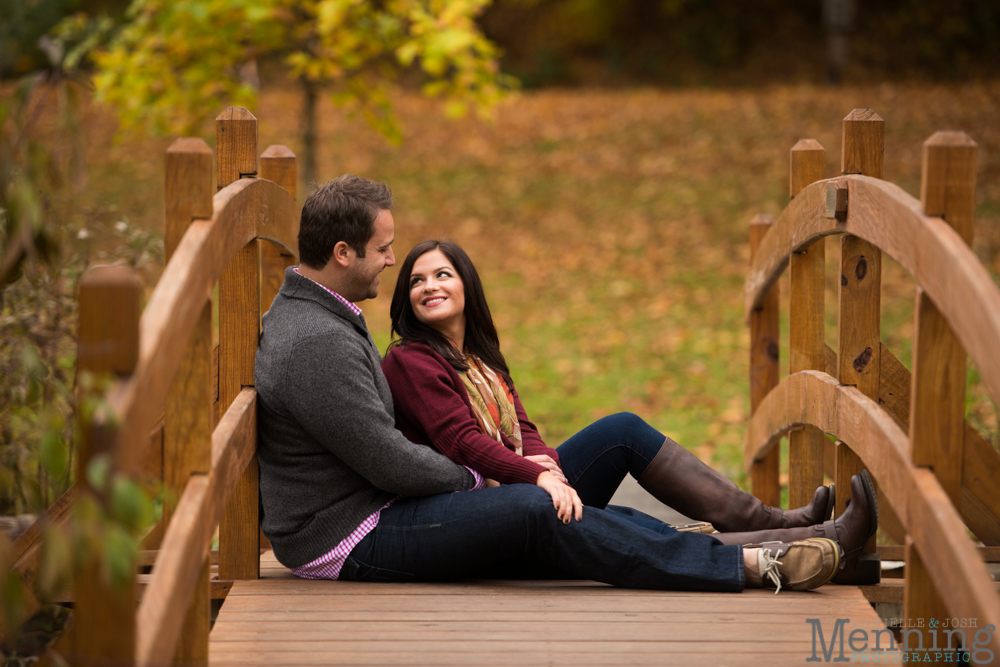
column 329, row 453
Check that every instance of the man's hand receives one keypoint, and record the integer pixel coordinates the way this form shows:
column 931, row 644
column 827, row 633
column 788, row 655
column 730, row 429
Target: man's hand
column 549, row 464
column 491, row 483
column 564, row 497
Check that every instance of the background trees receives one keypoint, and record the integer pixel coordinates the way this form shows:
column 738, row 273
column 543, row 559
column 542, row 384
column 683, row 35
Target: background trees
column 176, row 62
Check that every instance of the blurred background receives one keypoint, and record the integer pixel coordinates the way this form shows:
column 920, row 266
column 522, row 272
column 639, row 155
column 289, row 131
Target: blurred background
column 600, row 160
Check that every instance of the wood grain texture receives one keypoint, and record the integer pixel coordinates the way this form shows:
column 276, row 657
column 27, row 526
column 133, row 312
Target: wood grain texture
column 764, row 357
column 179, row 565
column 927, row 247
column 921, row 603
column 239, row 322
column 898, row 552
column 109, row 305
column 980, row 502
column 807, row 164
column 246, row 209
column 859, row 296
column 863, row 150
column 277, row 163
column 192, row 645
column 236, row 142
column 948, row 183
column 806, row 348
column 517, row 622
column 188, row 417
column 858, row 344
column 924, row 509
column 239, row 327
column 937, row 429
column 858, row 326
column 937, row 413
column 189, row 187
column 187, row 413
column 104, row 616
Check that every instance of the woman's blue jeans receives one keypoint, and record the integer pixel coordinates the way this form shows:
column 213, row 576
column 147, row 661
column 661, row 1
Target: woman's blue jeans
column 596, row 460
column 513, row 530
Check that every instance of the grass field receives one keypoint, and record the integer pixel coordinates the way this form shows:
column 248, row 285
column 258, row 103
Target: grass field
column 610, row 228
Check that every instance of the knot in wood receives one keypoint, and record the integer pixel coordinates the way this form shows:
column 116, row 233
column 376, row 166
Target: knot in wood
column 861, row 268
column 862, row 360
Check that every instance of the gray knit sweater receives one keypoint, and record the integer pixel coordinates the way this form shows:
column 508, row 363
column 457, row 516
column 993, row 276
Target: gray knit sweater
column 329, row 453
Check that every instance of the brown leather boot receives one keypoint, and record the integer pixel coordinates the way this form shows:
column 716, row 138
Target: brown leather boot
column 678, row 478
column 851, row 530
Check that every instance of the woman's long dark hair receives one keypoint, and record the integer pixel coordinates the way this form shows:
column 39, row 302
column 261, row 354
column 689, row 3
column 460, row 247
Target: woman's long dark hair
column 480, row 333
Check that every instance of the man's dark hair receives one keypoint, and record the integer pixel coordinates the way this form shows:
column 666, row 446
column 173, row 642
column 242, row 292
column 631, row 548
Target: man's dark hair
column 343, row 209
column 481, row 337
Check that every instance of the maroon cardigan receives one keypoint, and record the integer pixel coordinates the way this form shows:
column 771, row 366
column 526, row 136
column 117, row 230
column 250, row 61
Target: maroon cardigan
column 433, row 408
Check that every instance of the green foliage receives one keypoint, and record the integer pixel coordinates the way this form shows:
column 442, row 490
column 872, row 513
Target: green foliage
column 176, row 63
column 24, row 23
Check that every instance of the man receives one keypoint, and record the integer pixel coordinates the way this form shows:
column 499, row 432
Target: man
column 345, row 495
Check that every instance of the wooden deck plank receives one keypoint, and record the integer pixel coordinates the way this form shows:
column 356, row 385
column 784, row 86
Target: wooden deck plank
column 582, row 658
column 394, row 615
column 298, row 633
column 283, row 620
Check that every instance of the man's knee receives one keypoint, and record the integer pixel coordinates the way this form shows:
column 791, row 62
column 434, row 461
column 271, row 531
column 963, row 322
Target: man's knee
column 530, row 499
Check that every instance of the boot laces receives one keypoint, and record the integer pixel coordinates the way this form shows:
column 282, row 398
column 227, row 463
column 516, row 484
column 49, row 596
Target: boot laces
column 770, row 567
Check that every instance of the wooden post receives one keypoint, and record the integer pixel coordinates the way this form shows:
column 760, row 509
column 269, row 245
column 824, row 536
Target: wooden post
column 109, row 302
column 921, row 603
column 937, row 395
column 764, row 354
column 277, row 164
column 806, row 349
column 239, row 326
column 859, row 320
column 187, row 433
column 937, row 413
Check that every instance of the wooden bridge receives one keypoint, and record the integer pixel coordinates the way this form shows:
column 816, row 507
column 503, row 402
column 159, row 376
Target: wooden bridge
column 236, row 225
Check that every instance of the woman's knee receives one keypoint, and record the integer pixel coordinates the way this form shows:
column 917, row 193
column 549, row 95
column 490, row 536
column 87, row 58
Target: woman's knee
column 634, row 427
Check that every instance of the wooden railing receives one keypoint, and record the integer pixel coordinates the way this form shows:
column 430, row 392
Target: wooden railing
column 936, row 474
column 162, row 365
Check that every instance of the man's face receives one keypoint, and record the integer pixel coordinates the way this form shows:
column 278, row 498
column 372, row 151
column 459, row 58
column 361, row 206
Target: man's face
column 378, row 255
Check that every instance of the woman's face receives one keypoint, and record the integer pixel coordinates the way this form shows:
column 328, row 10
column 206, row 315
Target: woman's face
column 437, row 294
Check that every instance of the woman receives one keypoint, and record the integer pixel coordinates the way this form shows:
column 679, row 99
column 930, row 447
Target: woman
column 452, row 390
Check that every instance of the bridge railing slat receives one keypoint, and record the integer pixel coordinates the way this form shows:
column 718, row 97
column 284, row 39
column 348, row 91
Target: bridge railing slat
column 109, row 307
column 187, row 431
column 944, row 463
column 764, row 350
column 937, row 415
column 806, row 319
column 239, row 326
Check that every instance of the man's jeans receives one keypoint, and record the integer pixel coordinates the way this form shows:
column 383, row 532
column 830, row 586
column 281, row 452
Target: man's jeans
column 514, row 528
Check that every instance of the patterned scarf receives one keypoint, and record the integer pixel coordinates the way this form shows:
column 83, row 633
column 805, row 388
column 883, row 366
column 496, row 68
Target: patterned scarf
column 492, row 402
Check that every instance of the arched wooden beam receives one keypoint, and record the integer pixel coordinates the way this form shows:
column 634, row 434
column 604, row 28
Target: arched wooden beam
column 885, row 215
column 245, row 210
column 813, row 397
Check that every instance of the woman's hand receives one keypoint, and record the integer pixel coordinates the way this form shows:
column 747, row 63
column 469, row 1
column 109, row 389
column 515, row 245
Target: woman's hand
column 564, row 497
column 549, row 464
column 491, row 483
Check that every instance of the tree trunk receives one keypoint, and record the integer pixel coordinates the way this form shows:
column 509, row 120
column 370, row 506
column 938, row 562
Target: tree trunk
column 309, row 133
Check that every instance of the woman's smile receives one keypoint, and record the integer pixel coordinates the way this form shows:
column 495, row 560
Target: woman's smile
column 437, row 295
